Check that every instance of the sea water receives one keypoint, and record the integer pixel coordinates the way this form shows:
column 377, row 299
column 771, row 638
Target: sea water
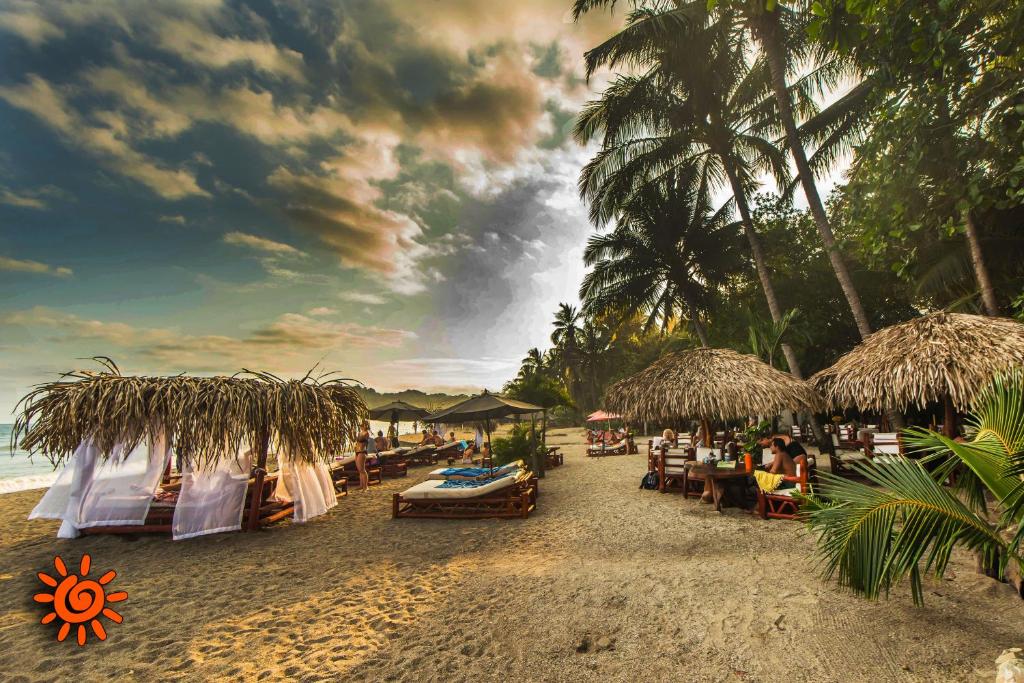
column 17, row 471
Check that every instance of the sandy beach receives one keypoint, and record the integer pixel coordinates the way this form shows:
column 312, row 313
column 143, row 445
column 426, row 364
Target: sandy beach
column 603, row 583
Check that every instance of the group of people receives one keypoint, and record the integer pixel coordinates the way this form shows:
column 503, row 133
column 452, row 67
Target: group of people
column 786, row 453
column 608, row 437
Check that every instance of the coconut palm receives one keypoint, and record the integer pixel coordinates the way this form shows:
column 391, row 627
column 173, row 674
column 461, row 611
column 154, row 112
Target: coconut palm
column 872, row 537
column 532, row 365
column 781, row 33
column 699, row 100
column 669, row 250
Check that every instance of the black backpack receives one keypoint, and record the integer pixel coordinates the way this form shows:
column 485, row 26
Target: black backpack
column 650, row 481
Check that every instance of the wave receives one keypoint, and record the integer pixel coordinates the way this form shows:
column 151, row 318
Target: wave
column 27, row 482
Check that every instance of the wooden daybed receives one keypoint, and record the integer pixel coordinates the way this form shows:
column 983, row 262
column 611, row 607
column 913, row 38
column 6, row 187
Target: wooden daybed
column 613, row 449
column 507, row 497
column 345, row 469
column 422, row 455
column 553, row 458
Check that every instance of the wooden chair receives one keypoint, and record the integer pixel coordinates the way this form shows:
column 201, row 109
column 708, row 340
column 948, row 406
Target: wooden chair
column 782, row 504
column 553, row 458
column 883, row 443
column 670, row 464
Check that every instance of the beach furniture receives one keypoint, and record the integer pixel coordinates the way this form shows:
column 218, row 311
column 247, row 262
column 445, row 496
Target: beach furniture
column 346, row 468
column 670, row 464
column 422, row 455
column 393, row 463
column 553, row 458
column 720, row 477
column 603, row 449
column 510, row 494
column 451, row 450
column 781, row 503
column 883, row 443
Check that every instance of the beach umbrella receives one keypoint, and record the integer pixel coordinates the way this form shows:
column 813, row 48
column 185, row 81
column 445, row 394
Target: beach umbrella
column 706, row 384
column 944, row 357
column 398, row 411
column 483, row 409
column 602, row 416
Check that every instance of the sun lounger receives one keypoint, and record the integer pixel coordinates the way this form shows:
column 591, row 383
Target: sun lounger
column 553, row 458
column 611, row 449
column 345, row 468
column 422, row 455
column 474, row 473
column 511, row 495
column 393, row 463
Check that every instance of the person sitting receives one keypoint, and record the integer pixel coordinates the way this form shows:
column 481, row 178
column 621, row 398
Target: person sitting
column 782, row 462
column 485, row 454
column 451, row 437
column 468, row 453
column 436, row 439
column 426, row 439
column 668, row 437
column 793, row 448
column 380, row 441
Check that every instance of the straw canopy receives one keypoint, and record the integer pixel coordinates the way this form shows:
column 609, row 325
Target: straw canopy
column 486, row 406
column 706, row 384
column 398, row 411
column 208, row 417
column 926, row 359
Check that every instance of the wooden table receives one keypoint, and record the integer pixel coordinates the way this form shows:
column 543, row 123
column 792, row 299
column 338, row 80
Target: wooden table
column 718, row 476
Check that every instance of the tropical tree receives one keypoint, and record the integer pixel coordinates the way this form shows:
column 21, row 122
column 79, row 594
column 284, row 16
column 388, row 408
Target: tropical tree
column 696, row 102
column 670, row 252
column 781, row 32
column 872, row 537
column 532, row 365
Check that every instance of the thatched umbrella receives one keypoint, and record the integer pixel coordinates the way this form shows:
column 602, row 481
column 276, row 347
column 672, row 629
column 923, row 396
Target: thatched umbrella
column 208, row 417
column 706, row 384
column 945, row 357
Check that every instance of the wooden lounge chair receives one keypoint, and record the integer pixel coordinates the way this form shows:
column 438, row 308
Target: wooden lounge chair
column 553, row 458
column 422, row 455
column 505, row 497
column 607, row 449
column 346, row 469
column 781, row 504
column 452, row 451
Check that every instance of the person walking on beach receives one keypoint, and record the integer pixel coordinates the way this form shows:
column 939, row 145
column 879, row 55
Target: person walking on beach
column 362, row 445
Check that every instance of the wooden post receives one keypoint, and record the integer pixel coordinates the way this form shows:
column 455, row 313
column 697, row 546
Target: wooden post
column 705, row 427
column 257, row 488
column 949, row 420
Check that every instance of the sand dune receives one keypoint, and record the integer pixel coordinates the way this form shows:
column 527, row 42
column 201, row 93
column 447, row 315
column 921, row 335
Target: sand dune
column 604, row 583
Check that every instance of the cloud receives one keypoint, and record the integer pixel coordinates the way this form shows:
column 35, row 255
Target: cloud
column 177, row 218
column 103, row 139
column 33, row 28
column 290, row 341
column 25, row 266
column 362, row 298
column 261, row 244
column 33, row 198
column 322, row 310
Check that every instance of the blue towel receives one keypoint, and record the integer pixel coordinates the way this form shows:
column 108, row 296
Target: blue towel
column 469, row 484
column 465, row 471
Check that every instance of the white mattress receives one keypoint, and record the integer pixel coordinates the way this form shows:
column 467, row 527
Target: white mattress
column 431, row 490
column 498, row 471
column 345, row 459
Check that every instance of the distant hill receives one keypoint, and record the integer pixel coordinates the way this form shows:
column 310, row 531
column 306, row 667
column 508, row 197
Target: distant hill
column 415, row 397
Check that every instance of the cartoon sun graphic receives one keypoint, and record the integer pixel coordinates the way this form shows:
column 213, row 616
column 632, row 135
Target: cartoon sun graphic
column 78, row 600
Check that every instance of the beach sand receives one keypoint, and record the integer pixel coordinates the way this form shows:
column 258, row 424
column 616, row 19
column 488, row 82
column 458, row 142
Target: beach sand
column 658, row 587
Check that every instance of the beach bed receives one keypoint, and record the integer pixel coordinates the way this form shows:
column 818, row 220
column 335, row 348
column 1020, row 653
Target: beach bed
column 394, row 463
column 345, row 468
column 422, row 455
column 613, row 449
column 512, row 494
column 553, row 458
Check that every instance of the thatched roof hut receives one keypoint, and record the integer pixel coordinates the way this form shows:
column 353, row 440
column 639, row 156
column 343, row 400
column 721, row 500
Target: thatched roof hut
column 706, row 384
column 930, row 358
column 208, row 417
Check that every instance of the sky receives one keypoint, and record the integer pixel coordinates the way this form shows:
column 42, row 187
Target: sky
column 386, row 188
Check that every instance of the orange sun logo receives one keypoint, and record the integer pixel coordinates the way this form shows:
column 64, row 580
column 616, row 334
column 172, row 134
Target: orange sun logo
column 78, row 600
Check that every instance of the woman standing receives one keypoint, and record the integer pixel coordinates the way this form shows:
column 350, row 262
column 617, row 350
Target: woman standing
column 362, row 442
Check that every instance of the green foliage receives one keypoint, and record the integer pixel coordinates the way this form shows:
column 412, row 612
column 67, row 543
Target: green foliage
column 514, row 447
column 872, row 537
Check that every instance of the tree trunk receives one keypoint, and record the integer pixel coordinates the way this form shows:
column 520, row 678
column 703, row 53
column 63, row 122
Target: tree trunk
column 988, row 292
column 777, row 66
column 698, row 326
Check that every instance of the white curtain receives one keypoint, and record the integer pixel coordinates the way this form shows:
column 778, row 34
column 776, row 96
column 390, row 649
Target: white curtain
column 122, row 489
column 212, row 498
column 308, row 486
column 63, row 499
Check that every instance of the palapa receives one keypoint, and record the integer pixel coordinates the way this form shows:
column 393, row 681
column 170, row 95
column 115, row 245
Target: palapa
column 708, row 384
column 208, row 417
column 934, row 357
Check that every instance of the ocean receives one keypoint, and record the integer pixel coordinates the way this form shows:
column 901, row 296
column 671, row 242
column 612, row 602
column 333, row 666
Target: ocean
column 17, row 471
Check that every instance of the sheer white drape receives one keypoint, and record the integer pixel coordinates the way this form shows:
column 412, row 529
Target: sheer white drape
column 308, row 486
column 63, row 499
column 212, row 498
column 122, row 488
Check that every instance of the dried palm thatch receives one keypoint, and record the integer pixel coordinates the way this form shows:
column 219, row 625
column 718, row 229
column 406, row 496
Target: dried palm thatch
column 706, row 384
column 924, row 359
column 208, row 417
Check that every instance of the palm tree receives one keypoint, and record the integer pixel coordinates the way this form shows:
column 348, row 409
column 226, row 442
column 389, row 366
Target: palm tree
column 669, row 250
column 699, row 101
column 872, row 537
column 566, row 341
column 781, row 33
column 532, row 365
